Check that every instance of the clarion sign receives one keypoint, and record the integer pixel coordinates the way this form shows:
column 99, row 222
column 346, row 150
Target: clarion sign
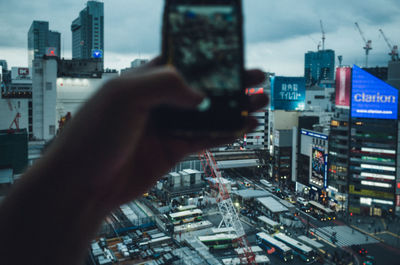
column 371, row 97
column 376, row 98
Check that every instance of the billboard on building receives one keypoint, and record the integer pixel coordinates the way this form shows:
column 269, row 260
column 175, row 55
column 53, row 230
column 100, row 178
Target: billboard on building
column 372, row 97
column 96, row 53
column 254, row 91
column 343, row 87
column 318, row 167
column 21, row 75
column 52, row 51
column 288, row 93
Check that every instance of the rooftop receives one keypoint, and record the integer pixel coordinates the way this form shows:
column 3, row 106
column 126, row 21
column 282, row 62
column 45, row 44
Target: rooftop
column 272, row 204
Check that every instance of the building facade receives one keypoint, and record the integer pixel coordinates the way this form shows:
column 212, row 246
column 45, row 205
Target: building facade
column 319, row 66
column 88, row 32
column 373, row 145
column 44, row 96
column 42, row 41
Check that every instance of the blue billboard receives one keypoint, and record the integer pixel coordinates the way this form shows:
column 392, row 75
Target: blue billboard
column 288, row 93
column 372, row 97
column 96, row 53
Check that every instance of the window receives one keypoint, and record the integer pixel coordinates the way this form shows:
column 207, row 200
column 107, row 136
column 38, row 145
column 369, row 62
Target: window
column 52, row 129
column 49, row 85
column 319, row 97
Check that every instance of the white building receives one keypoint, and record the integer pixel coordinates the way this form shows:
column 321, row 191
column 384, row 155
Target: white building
column 53, row 96
column 44, row 96
column 72, row 93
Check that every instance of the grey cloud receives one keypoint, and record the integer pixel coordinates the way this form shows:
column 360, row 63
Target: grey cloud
column 285, row 19
column 134, row 26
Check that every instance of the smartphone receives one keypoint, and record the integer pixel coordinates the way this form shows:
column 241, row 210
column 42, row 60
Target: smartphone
column 203, row 40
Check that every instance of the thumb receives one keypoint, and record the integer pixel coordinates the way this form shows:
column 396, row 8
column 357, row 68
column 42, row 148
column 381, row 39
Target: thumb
column 161, row 86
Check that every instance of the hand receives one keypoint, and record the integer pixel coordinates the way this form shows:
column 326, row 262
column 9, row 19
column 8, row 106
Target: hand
column 109, row 150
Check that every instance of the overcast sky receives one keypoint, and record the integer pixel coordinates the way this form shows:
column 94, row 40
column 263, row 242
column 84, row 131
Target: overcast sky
column 277, row 33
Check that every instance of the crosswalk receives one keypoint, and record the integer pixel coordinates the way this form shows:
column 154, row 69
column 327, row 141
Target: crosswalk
column 345, row 235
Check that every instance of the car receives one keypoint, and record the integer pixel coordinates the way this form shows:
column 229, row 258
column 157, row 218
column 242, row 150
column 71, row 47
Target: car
column 302, row 201
column 290, row 199
column 305, row 209
column 359, row 250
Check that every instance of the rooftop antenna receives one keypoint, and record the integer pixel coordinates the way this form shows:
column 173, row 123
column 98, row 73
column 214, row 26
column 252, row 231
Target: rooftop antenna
column 340, row 58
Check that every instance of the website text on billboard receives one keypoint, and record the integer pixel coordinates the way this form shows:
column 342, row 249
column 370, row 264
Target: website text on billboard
column 343, row 85
column 372, row 97
column 288, row 93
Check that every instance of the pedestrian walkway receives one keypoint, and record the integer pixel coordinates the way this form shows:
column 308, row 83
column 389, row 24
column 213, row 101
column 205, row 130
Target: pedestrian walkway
column 344, row 235
column 386, row 230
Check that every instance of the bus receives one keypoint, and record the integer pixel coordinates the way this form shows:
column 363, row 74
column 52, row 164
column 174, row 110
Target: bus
column 321, row 212
column 273, row 246
column 223, row 230
column 188, row 216
column 182, row 208
column 259, row 259
column 304, row 252
column 219, row 241
column 270, row 225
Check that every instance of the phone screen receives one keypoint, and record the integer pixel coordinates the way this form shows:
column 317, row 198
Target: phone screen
column 204, row 44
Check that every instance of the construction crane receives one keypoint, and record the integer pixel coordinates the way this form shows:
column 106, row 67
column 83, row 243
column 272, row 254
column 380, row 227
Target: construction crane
column 16, row 122
column 230, row 217
column 317, row 43
column 394, row 51
column 368, row 44
column 323, row 35
column 63, row 120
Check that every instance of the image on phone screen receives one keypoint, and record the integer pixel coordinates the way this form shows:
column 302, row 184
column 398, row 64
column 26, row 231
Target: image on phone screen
column 205, row 46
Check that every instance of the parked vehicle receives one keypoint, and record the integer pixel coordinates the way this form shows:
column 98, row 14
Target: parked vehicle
column 302, row 201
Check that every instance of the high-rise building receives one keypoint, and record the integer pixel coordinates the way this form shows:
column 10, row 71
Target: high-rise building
column 3, row 64
column 42, row 41
column 319, row 67
column 88, row 32
column 373, row 145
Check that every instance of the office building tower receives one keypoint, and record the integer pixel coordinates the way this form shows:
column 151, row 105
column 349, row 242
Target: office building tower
column 42, row 41
column 88, row 32
column 373, row 145
column 319, row 67
column 3, row 64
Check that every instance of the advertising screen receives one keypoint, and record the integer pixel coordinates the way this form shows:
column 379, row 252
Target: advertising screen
column 343, row 86
column 317, row 167
column 288, row 93
column 254, row 91
column 372, row 97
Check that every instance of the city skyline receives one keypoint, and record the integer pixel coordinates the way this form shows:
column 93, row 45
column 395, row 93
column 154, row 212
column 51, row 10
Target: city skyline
column 275, row 40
